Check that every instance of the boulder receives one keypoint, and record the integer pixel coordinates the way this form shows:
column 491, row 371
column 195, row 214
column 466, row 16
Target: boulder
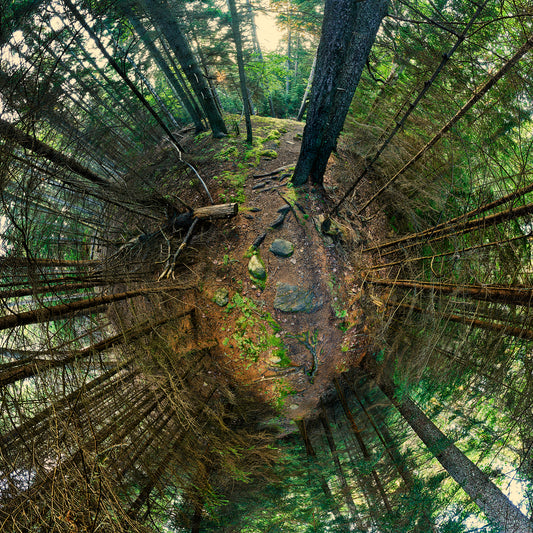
column 294, row 299
column 282, row 248
column 257, row 268
column 221, row 296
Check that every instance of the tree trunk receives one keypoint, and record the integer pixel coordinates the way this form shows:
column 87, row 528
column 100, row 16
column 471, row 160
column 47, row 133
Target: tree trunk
column 348, row 32
column 496, row 327
column 161, row 13
column 78, row 16
column 196, row 520
column 257, row 49
column 486, row 293
column 389, row 444
column 182, row 81
column 61, row 311
column 32, row 366
column 476, row 97
column 235, row 26
column 496, row 506
column 323, row 483
column 305, row 98
column 458, row 228
column 347, row 493
column 147, row 84
column 289, row 54
column 163, row 65
column 364, row 450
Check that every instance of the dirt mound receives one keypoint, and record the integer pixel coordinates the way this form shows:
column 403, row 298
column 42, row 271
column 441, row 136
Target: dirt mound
column 287, row 329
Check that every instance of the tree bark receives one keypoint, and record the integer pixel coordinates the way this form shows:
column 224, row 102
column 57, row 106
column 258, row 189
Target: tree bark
column 460, row 227
column 323, row 483
column 163, row 65
column 345, row 488
column 235, row 26
column 348, row 33
column 476, row 97
column 31, row 366
column 161, row 13
column 496, row 506
column 496, row 327
column 214, row 212
column 364, row 450
column 257, row 50
column 62, row 311
column 305, row 97
column 78, row 16
column 486, row 293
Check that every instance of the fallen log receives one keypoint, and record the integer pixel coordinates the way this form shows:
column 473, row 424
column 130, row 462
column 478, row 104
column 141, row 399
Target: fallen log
column 214, row 212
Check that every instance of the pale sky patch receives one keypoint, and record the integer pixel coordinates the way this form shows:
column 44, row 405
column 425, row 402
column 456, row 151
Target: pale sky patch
column 268, row 33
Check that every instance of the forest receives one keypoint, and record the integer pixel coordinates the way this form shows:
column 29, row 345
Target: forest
column 265, row 266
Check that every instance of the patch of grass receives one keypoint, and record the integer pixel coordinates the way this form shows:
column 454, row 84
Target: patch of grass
column 201, row 136
column 255, row 331
column 283, row 390
column 230, row 153
column 236, row 180
column 268, row 154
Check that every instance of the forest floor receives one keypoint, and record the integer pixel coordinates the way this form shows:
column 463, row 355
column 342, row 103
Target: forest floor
column 287, row 334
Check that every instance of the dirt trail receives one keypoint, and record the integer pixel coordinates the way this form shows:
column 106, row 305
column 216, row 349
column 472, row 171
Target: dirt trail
column 288, row 357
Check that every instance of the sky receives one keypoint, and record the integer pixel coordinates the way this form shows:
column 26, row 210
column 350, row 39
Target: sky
column 268, row 33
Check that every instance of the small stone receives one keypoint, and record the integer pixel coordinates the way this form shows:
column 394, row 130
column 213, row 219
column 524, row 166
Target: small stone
column 294, row 299
column 257, row 268
column 294, row 406
column 274, row 360
column 221, row 296
column 282, row 248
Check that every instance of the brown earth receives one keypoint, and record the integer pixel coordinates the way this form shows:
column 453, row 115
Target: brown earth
column 289, row 358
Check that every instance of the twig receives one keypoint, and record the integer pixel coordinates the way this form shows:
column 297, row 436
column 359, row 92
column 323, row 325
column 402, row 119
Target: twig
column 201, row 181
column 169, row 269
column 274, row 172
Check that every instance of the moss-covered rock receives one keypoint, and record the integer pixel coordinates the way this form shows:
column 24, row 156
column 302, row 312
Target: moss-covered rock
column 282, row 248
column 256, row 268
column 221, row 296
column 294, row 299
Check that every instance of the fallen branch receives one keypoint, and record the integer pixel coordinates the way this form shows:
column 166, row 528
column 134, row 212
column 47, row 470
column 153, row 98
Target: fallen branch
column 274, row 172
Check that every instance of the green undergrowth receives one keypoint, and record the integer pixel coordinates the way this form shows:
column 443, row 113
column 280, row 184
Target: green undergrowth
column 255, row 334
column 234, row 149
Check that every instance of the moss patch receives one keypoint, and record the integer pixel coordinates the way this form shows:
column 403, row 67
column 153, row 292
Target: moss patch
column 255, row 332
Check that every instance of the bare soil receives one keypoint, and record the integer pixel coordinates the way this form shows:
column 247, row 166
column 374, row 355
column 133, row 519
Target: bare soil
column 317, row 345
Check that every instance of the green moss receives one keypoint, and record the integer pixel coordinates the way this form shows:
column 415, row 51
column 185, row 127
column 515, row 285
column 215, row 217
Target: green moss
column 269, row 154
column 201, row 136
column 255, row 331
column 283, row 390
column 230, row 153
column 273, row 135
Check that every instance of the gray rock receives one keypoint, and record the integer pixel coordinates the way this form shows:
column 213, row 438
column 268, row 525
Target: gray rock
column 293, row 299
column 282, row 248
column 257, row 268
column 221, row 296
